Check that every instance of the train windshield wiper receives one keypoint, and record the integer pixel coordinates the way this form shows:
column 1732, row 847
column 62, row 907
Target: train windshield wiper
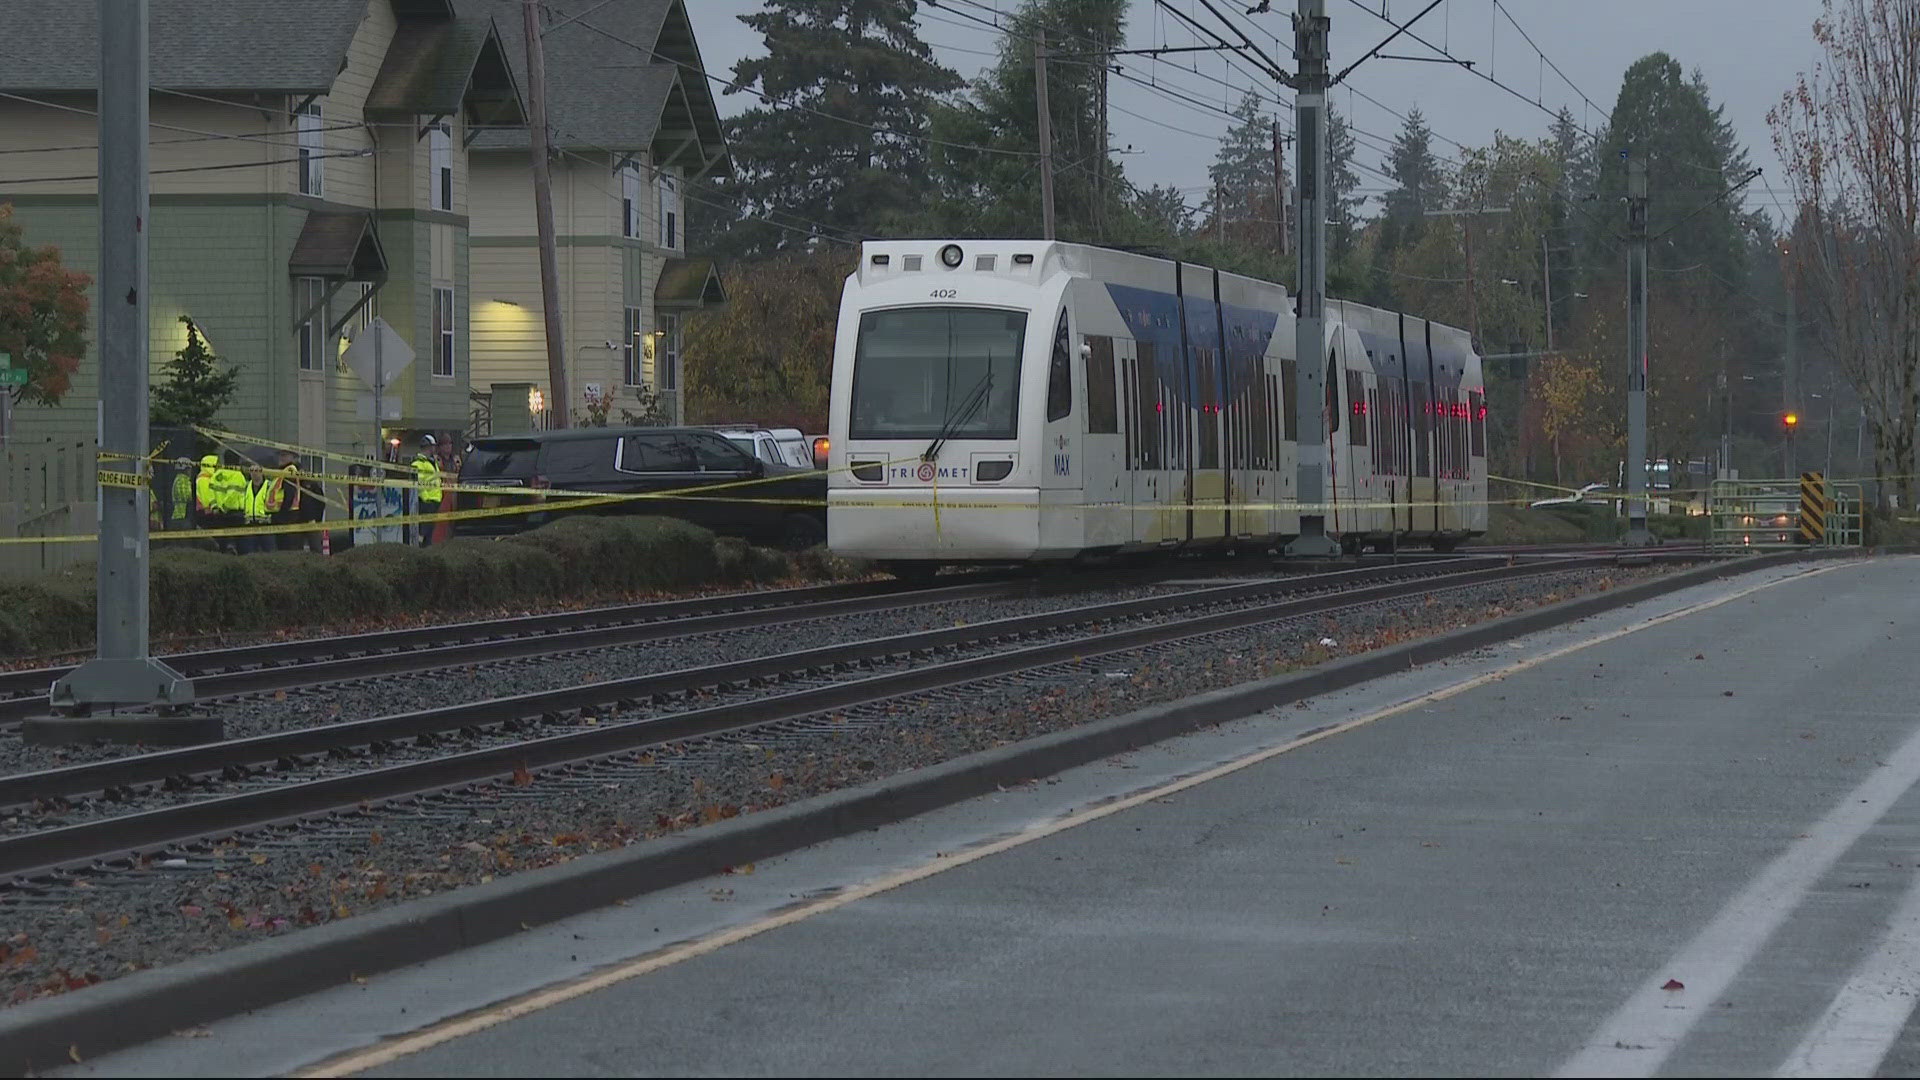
column 962, row 413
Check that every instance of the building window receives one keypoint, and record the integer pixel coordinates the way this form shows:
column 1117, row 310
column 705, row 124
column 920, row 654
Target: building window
column 442, row 331
column 630, row 200
column 440, row 155
column 308, row 292
column 369, row 311
column 313, row 145
column 631, row 351
column 669, row 365
column 669, row 211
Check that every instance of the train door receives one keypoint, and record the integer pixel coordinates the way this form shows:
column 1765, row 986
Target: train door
column 1200, row 340
column 1153, row 485
column 1102, row 449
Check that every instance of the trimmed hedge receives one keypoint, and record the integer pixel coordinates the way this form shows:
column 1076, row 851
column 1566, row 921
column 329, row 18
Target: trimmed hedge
column 605, row 559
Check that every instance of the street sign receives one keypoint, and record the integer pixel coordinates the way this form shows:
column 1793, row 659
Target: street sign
column 10, row 375
column 393, row 354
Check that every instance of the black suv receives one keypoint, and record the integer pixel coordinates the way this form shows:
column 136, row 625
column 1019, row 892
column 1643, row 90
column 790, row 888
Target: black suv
column 766, row 503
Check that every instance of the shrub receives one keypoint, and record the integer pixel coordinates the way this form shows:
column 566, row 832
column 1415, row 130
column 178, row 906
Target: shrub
column 603, row 559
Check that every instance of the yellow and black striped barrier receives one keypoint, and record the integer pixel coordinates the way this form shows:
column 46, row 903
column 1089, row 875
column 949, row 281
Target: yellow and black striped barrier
column 1813, row 508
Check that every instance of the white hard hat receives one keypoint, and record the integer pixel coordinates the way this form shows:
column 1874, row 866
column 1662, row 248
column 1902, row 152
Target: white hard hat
column 426, row 440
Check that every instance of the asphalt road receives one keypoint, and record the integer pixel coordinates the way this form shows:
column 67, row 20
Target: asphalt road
column 1687, row 848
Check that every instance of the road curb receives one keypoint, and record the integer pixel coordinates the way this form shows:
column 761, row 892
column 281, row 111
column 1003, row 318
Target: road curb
column 150, row 1004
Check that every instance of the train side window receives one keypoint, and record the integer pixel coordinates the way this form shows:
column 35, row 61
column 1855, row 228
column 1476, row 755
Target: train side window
column 1289, row 409
column 1103, row 415
column 1333, row 393
column 1148, row 411
column 1060, row 374
column 1208, row 361
column 1477, row 421
column 1357, row 405
column 1420, row 404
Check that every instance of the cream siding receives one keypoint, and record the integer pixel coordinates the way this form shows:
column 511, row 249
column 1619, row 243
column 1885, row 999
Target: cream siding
column 601, row 273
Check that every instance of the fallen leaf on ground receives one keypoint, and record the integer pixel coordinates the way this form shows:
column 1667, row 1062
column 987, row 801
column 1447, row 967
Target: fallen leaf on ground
column 521, row 777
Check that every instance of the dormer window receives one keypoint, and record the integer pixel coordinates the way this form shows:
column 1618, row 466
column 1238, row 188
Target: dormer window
column 440, row 161
column 669, row 211
column 312, row 142
column 630, row 200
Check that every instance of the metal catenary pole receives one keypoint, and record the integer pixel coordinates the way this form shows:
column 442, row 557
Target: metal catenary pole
column 1310, row 323
column 562, row 402
column 1637, row 534
column 1046, row 133
column 1790, row 383
column 123, row 674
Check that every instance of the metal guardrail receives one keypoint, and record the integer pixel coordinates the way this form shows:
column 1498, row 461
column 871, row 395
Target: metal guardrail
column 1761, row 515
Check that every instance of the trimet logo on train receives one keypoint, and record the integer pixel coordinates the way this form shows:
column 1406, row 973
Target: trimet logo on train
column 925, row 472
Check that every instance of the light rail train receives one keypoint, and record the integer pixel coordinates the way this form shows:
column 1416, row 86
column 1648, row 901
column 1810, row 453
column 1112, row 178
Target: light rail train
column 1023, row 400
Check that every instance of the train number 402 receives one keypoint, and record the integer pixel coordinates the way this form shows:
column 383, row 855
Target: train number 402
column 944, row 294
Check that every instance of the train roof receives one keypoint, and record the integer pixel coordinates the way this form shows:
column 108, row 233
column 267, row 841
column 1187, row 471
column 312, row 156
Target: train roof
column 1035, row 260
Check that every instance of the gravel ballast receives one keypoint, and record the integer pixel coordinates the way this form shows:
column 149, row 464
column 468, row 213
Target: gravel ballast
column 72, row 936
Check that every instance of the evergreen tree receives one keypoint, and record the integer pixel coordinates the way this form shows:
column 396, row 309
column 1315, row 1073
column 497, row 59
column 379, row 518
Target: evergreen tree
column 1416, row 169
column 1692, row 156
column 1162, row 210
column 861, row 60
column 194, row 388
column 1242, row 204
column 996, row 191
column 1343, row 208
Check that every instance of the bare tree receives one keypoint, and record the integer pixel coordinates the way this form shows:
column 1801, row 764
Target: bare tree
column 1849, row 135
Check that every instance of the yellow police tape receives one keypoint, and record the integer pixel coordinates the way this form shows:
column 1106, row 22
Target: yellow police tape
column 552, row 500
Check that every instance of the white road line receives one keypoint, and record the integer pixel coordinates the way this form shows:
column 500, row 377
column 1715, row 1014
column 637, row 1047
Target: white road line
column 390, row 1050
column 1637, row 1039
column 1871, row 1010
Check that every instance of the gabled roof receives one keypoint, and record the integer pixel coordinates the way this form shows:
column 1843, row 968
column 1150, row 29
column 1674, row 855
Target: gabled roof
column 624, row 77
column 435, row 66
column 338, row 245
column 689, row 283
column 263, row 46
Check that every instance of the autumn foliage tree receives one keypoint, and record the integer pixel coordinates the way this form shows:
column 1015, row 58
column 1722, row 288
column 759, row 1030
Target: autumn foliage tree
column 768, row 355
column 43, row 314
column 1849, row 135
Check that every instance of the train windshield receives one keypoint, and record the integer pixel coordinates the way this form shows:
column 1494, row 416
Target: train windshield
column 917, row 371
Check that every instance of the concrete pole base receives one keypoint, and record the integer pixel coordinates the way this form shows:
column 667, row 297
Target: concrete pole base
column 142, row 727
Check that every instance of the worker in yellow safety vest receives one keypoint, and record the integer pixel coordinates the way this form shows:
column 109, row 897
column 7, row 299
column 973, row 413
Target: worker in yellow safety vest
column 206, row 497
column 258, row 487
column 426, row 471
column 180, row 505
column 230, row 490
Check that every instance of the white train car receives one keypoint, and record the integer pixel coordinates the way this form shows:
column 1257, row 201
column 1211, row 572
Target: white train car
column 1016, row 400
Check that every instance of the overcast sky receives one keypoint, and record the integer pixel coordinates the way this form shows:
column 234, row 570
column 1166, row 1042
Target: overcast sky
column 1749, row 51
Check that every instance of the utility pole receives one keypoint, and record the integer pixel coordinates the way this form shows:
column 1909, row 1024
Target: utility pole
column 1790, row 382
column 123, row 676
column 1637, row 534
column 1310, row 322
column 1046, row 132
column 1100, row 162
column 1546, row 278
column 562, row 401
column 1279, row 190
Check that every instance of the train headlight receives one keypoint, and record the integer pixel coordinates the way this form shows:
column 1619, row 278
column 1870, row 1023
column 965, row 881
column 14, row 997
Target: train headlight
column 951, row 255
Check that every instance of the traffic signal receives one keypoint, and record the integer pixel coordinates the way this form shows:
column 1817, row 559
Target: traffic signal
column 1792, row 420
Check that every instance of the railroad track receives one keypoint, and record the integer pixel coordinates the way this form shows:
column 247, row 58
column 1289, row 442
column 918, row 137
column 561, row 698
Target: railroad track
column 280, row 780
column 292, row 664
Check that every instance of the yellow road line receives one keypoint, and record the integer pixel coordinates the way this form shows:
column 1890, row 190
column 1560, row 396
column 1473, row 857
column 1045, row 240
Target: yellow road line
column 384, row 1053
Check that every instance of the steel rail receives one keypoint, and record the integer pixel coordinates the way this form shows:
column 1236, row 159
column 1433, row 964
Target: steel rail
column 290, row 664
column 28, row 854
